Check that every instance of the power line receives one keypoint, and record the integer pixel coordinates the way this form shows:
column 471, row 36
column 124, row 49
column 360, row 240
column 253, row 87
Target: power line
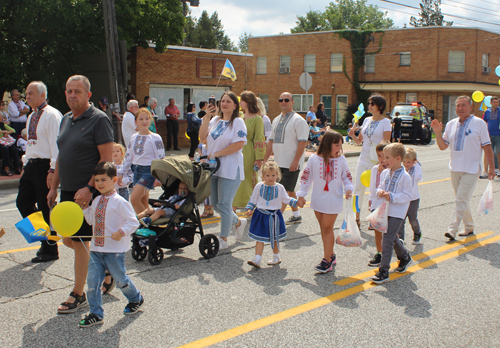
column 465, row 8
column 474, row 6
column 490, row 2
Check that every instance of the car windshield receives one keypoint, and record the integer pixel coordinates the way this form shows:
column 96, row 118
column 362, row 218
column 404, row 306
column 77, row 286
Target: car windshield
column 404, row 110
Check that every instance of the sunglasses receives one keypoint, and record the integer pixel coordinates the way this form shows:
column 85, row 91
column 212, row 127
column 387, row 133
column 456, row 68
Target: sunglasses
column 371, row 103
column 284, row 100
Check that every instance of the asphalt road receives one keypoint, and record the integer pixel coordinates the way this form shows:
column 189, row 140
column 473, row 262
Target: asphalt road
column 449, row 297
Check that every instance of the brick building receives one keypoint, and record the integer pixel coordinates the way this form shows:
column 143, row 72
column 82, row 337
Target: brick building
column 431, row 64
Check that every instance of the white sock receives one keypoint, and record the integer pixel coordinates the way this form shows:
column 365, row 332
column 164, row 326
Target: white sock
column 258, row 258
column 296, row 214
column 276, row 256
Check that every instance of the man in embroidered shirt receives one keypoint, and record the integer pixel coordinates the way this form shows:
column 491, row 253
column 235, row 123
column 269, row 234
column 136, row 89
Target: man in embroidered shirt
column 466, row 136
column 172, row 113
column 17, row 113
column 39, row 162
column 491, row 117
column 128, row 125
column 288, row 141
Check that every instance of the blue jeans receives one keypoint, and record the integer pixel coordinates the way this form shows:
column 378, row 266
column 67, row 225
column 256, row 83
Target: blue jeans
column 123, row 191
column 115, row 264
column 143, row 177
column 222, row 196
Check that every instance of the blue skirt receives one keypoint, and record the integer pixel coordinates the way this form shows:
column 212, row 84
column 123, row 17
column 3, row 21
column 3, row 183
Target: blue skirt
column 267, row 226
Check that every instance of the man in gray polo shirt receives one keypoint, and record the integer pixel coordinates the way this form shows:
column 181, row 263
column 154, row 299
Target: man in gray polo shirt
column 85, row 139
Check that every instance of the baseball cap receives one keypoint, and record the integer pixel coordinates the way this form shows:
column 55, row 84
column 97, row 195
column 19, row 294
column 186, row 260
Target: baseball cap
column 104, row 100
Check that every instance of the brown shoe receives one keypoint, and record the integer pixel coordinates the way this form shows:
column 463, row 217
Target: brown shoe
column 465, row 233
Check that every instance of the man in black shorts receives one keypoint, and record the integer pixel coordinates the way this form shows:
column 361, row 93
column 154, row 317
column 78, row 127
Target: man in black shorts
column 85, row 139
column 288, row 141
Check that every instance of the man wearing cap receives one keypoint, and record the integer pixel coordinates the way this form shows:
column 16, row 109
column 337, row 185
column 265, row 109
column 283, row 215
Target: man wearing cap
column 17, row 112
column 418, row 113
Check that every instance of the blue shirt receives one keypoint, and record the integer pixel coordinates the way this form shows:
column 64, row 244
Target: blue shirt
column 492, row 118
column 193, row 122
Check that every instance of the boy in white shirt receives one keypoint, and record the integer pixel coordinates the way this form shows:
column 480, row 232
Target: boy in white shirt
column 395, row 187
column 414, row 169
column 113, row 220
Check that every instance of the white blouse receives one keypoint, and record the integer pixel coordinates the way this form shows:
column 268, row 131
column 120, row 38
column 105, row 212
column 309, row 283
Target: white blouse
column 415, row 173
column 373, row 132
column 398, row 184
column 220, row 136
column 269, row 197
column 142, row 150
column 327, row 193
column 128, row 177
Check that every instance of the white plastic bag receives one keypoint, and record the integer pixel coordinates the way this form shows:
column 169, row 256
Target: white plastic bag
column 349, row 235
column 486, row 202
column 378, row 218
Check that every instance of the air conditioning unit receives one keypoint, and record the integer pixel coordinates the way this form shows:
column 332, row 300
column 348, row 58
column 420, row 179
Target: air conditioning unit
column 486, row 69
column 284, row 70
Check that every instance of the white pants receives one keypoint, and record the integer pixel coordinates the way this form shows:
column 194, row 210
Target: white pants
column 464, row 185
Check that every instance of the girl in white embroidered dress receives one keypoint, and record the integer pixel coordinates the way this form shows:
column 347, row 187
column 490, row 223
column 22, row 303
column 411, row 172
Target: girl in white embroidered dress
column 327, row 172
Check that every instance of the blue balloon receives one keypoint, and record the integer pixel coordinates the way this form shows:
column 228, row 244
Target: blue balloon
column 497, row 70
column 487, row 101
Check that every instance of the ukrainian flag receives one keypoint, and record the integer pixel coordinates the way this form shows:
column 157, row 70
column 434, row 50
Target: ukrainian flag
column 33, row 227
column 229, row 71
column 355, row 204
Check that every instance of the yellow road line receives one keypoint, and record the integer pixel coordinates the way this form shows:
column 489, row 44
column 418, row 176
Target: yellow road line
column 260, row 323
column 22, row 249
column 417, row 257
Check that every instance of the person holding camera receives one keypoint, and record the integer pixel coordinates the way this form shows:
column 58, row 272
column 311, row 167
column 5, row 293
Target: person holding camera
column 172, row 113
column 193, row 129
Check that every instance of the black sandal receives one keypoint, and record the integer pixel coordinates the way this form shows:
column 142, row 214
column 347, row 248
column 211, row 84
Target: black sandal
column 80, row 301
column 108, row 287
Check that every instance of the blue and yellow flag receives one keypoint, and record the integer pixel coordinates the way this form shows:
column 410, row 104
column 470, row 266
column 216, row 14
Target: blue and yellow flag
column 229, row 71
column 355, row 204
column 33, row 227
column 359, row 113
column 483, row 106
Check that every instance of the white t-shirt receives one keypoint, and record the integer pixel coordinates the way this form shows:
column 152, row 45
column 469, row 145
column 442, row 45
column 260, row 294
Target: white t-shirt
column 373, row 132
column 415, row 173
column 288, row 131
column 268, row 127
column 466, row 142
column 269, row 197
column 128, row 127
column 398, row 184
column 142, row 150
column 220, row 136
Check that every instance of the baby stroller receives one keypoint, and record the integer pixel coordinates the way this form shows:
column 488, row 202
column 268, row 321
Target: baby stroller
column 177, row 231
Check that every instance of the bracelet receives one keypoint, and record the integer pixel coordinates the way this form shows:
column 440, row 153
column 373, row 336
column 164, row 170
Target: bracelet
column 123, row 233
column 51, row 170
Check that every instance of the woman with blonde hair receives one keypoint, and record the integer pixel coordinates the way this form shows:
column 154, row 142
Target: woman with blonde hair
column 268, row 127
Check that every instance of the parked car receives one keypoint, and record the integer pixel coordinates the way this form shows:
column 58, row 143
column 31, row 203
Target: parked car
column 404, row 110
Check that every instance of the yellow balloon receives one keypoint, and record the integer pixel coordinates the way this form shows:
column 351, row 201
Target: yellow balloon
column 66, row 218
column 365, row 178
column 477, row 96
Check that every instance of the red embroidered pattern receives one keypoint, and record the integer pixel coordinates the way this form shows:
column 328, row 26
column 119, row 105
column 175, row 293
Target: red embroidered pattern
column 99, row 223
column 328, row 172
column 305, row 176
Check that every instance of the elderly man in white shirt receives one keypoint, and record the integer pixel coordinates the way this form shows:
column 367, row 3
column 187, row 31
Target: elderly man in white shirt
column 39, row 162
column 17, row 112
column 128, row 124
column 467, row 136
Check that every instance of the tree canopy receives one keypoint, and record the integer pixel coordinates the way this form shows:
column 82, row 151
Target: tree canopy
column 430, row 15
column 243, row 41
column 207, row 32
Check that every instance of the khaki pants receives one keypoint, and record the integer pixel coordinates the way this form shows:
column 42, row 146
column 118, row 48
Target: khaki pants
column 464, row 185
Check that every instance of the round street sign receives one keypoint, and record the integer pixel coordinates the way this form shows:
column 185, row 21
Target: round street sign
column 305, row 81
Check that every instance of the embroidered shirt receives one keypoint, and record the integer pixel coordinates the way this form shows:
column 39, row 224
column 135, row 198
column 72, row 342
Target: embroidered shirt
column 373, row 132
column 415, row 173
column 14, row 111
column 491, row 117
column 269, row 197
column 142, row 150
column 398, row 184
column 288, row 130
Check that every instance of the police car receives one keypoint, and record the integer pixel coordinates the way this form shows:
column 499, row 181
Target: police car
column 404, row 110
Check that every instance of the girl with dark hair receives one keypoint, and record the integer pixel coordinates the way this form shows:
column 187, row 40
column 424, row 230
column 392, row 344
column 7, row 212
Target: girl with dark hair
column 226, row 135
column 193, row 128
column 253, row 151
column 328, row 173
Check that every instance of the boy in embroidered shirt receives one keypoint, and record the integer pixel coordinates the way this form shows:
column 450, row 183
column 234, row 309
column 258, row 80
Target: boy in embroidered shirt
column 414, row 169
column 152, row 214
column 395, row 187
column 113, row 220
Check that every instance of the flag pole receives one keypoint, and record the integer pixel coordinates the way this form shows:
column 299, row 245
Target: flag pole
column 220, row 76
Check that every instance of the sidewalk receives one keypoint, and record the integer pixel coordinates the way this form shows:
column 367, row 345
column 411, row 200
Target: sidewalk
column 11, row 182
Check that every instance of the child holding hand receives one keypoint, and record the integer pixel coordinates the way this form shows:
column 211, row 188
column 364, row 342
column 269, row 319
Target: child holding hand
column 128, row 177
column 329, row 174
column 267, row 224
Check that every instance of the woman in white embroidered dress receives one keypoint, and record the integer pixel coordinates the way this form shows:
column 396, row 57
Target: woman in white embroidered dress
column 327, row 172
column 373, row 131
column 226, row 135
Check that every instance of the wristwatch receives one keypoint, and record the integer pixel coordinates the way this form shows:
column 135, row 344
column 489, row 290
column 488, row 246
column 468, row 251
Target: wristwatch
column 92, row 189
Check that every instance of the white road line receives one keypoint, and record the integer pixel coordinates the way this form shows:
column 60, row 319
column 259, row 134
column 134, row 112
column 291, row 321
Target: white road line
column 8, row 210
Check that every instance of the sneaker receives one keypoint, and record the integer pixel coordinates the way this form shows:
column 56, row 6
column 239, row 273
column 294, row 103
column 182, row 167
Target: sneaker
column 324, row 266
column 483, row 176
column 333, row 259
column 380, row 277
column 133, row 307
column 402, row 241
column 403, row 265
column 465, row 233
column 274, row 261
column 416, row 240
column 240, row 229
column 145, row 221
column 449, row 235
column 254, row 263
column 375, row 262
column 223, row 244
column 90, row 320
column 294, row 220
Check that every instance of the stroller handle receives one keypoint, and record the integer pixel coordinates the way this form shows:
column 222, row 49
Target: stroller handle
column 206, row 165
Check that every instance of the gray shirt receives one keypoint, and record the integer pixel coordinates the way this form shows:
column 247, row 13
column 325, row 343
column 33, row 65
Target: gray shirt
column 77, row 142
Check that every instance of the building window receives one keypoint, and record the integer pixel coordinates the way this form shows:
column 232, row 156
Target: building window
column 265, row 100
column 336, row 60
column 310, row 63
column 411, row 97
column 261, row 65
column 284, row 64
column 370, row 63
column 405, row 59
column 485, row 59
column 341, row 108
column 302, row 102
column 456, row 61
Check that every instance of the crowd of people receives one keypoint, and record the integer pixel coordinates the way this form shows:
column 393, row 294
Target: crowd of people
column 77, row 155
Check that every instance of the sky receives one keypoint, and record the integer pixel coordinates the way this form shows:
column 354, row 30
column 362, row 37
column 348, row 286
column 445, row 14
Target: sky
column 270, row 17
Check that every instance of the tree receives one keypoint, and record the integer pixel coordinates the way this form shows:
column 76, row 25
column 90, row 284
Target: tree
column 430, row 15
column 243, row 41
column 313, row 21
column 207, row 32
column 45, row 40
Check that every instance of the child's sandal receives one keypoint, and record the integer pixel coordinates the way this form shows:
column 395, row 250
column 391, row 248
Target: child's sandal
column 80, row 301
column 207, row 213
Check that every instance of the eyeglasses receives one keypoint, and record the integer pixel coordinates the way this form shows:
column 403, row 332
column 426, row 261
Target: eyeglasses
column 286, row 100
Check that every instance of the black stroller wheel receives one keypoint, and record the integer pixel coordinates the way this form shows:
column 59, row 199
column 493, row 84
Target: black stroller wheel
column 155, row 256
column 139, row 253
column 209, row 246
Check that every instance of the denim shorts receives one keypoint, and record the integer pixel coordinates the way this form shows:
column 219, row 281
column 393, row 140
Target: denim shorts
column 495, row 143
column 143, row 177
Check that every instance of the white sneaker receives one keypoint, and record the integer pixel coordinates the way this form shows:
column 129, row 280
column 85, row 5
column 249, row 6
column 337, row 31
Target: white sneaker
column 254, row 263
column 274, row 261
column 240, row 229
column 223, row 244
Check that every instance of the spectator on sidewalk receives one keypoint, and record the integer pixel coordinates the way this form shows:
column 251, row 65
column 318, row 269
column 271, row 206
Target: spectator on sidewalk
column 146, row 102
column 128, row 125
column 172, row 114
column 17, row 113
column 152, row 103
